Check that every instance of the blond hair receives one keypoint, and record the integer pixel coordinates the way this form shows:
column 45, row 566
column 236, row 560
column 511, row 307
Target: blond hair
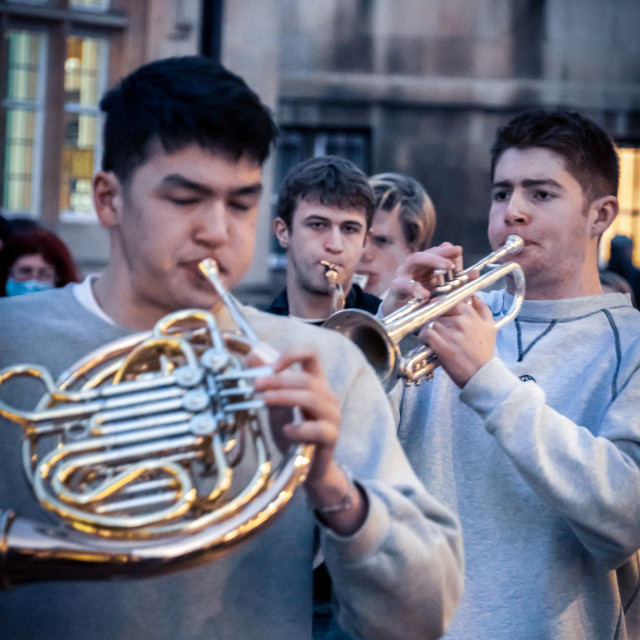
column 396, row 193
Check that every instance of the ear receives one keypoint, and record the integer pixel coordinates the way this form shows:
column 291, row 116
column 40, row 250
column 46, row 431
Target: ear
column 282, row 232
column 603, row 212
column 107, row 198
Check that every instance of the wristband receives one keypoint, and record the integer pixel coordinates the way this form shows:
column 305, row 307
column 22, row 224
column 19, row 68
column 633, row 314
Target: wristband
column 345, row 503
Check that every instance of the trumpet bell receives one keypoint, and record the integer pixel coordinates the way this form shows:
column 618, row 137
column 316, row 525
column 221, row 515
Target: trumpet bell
column 368, row 333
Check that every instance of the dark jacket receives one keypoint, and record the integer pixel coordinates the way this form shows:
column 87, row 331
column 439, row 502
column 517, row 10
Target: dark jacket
column 356, row 299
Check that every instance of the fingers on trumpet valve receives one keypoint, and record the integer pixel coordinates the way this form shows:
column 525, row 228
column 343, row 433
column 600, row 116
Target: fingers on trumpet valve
column 418, row 291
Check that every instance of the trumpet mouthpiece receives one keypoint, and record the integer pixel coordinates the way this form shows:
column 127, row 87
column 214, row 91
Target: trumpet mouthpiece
column 331, row 271
column 329, row 266
column 514, row 244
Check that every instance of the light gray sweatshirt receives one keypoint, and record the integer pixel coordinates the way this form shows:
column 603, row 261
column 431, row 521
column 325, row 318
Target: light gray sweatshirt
column 539, row 456
column 399, row 576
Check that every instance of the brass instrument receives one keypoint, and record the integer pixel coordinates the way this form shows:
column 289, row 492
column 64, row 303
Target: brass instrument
column 154, row 452
column 331, row 274
column 380, row 339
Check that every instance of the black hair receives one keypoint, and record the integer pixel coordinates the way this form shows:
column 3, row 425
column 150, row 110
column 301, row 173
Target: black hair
column 589, row 153
column 178, row 102
column 330, row 180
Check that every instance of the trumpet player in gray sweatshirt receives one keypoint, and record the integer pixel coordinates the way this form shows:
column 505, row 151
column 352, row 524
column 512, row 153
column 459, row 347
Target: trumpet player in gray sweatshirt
column 531, row 434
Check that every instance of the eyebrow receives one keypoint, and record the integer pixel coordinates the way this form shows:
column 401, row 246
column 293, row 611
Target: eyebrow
column 528, row 183
column 316, row 217
column 178, row 180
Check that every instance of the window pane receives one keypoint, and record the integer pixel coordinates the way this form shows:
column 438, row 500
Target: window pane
column 78, row 159
column 24, row 56
column 19, row 149
column 23, row 107
column 82, row 70
column 92, row 4
column 30, row 1
column 353, row 146
column 84, row 82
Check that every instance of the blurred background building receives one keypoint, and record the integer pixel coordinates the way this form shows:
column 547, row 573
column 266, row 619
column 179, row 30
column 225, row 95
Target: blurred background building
column 414, row 86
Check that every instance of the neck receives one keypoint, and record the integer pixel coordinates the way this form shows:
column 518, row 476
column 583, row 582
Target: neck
column 116, row 299
column 585, row 283
column 309, row 305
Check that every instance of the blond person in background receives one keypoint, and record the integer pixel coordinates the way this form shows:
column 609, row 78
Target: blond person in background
column 404, row 222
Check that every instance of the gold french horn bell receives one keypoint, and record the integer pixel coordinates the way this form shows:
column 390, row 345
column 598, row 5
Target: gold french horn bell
column 153, row 453
column 380, row 339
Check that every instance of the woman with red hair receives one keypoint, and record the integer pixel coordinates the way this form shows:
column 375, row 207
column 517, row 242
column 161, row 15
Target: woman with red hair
column 34, row 261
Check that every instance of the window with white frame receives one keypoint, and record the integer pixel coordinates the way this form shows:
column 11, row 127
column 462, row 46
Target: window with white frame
column 53, row 71
column 23, row 121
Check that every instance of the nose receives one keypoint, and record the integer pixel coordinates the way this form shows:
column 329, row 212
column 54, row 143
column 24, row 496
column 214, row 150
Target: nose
column 333, row 240
column 210, row 227
column 515, row 212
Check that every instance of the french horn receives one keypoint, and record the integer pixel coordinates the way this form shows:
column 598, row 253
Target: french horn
column 152, row 453
column 381, row 339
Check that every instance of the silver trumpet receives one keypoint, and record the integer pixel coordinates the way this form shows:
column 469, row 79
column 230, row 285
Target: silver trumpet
column 380, row 339
column 152, row 453
column 331, row 274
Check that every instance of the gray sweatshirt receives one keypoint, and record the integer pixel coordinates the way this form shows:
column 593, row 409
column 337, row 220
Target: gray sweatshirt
column 399, row 576
column 539, row 456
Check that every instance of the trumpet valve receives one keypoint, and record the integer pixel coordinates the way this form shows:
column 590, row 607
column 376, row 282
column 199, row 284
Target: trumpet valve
column 446, row 280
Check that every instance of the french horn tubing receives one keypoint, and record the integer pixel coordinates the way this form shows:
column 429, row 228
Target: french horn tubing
column 153, row 453
column 380, row 339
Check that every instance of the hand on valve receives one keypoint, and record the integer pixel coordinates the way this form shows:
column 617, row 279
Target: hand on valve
column 464, row 337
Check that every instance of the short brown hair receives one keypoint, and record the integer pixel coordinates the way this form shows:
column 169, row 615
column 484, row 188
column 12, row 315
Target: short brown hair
column 330, row 180
column 589, row 153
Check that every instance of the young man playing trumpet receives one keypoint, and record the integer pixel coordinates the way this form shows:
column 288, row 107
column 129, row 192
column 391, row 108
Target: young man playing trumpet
column 533, row 436
column 181, row 178
column 325, row 207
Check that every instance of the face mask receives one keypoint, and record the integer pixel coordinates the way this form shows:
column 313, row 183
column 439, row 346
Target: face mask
column 17, row 288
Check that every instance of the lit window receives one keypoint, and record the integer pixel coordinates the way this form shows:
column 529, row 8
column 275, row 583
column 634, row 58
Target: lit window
column 24, row 106
column 627, row 222
column 84, row 83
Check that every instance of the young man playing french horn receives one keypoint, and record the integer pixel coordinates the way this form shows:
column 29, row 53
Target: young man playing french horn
column 533, row 436
column 184, row 144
